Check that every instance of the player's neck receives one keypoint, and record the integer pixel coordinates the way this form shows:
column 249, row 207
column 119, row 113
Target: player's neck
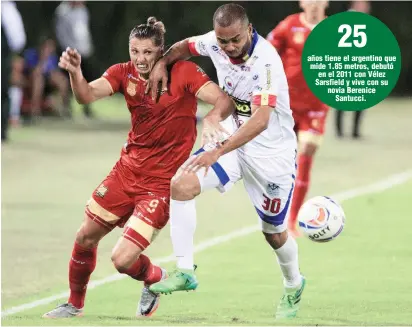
column 312, row 20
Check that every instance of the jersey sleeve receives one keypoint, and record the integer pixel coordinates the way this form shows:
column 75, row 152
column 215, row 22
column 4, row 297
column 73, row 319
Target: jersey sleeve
column 114, row 75
column 201, row 45
column 278, row 36
column 266, row 91
column 193, row 78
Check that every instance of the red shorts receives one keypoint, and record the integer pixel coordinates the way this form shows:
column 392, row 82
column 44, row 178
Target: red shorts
column 310, row 121
column 125, row 193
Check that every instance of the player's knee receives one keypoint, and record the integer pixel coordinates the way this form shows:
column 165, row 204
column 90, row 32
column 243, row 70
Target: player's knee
column 86, row 239
column 308, row 149
column 185, row 187
column 122, row 260
column 276, row 240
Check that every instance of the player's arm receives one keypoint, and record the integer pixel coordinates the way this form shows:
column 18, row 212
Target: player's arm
column 196, row 81
column 223, row 107
column 263, row 104
column 84, row 92
column 278, row 36
column 89, row 92
column 257, row 123
column 182, row 50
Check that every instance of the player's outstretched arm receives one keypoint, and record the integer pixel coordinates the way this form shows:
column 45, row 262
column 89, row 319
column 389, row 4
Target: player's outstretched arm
column 223, row 107
column 257, row 123
column 179, row 51
column 84, row 92
column 248, row 131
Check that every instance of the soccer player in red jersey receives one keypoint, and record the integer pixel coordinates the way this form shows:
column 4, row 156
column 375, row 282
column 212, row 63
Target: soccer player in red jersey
column 136, row 194
column 308, row 111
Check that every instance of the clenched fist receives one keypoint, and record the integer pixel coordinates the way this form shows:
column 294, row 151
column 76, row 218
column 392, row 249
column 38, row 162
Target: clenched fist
column 70, row 60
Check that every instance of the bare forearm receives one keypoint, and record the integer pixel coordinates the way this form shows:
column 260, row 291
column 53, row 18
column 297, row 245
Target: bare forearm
column 81, row 89
column 222, row 109
column 247, row 132
column 179, row 51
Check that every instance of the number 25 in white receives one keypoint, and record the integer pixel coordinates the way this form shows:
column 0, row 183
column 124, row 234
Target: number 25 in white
column 347, row 29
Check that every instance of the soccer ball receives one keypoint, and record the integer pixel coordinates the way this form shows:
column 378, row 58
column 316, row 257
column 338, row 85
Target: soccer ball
column 321, row 219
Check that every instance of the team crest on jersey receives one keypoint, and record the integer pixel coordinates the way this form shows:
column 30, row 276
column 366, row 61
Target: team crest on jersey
column 273, row 189
column 101, row 191
column 298, row 37
column 131, row 88
column 229, row 83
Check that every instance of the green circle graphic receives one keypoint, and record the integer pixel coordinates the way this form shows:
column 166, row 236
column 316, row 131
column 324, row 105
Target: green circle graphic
column 351, row 61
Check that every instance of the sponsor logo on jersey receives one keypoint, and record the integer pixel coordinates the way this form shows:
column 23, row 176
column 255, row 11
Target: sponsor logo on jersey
column 229, row 83
column 132, row 77
column 268, row 78
column 200, row 70
column 298, row 29
column 255, row 77
column 202, row 46
column 131, row 88
column 273, row 189
column 245, row 68
column 215, row 48
column 243, row 108
column 101, row 191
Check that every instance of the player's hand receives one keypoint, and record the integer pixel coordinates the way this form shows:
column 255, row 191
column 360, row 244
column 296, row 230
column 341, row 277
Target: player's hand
column 70, row 60
column 157, row 75
column 202, row 160
column 212, row 131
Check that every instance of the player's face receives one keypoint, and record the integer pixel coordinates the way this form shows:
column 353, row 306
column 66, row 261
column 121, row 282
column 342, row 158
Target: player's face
column 314, row 7
column 144, row 54
column 235, row 39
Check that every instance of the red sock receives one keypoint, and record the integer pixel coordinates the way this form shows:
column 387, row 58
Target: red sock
column 81, row 266
column 301, row 186
column 145, row 271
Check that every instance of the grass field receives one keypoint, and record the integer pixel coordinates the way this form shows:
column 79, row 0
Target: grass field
column 362, row 278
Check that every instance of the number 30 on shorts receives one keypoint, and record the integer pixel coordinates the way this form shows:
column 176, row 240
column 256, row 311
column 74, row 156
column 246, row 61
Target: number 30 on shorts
column 271, row 205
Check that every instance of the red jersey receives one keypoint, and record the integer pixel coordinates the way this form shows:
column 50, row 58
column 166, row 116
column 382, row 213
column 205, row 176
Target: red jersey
column 163, row 133
column 289, row 38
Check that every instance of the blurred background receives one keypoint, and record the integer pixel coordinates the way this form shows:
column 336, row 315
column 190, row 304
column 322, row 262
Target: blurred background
column 57, row 151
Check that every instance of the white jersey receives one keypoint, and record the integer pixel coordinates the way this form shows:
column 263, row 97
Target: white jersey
column 260, row 80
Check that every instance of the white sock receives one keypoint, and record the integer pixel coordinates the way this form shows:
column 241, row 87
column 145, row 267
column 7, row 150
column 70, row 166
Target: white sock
column 16, row 98
column 287, row 256
column 182, row 230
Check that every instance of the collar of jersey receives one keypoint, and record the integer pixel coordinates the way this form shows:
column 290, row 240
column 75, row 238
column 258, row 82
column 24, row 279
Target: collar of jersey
column 237, row 61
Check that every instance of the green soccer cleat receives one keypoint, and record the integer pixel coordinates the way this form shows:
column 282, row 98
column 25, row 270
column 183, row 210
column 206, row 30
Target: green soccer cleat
column 289, row 303
column 179, row 280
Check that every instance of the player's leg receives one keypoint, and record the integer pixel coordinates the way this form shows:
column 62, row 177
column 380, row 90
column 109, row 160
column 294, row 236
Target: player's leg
column 309, row 138
column 271, row 196
column 107, row 206
column 149, row 217
column 339, row 122
column 184, row 189
column 356, row 124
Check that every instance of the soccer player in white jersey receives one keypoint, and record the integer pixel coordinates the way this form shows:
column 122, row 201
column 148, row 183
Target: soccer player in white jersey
column 261, row 149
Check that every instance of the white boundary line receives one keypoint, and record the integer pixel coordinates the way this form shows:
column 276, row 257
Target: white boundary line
column 376, row 187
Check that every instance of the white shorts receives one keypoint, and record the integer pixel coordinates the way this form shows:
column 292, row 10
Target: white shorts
column 269, row 183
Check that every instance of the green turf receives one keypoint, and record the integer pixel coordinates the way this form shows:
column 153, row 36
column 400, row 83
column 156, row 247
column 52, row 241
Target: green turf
column 49, row 171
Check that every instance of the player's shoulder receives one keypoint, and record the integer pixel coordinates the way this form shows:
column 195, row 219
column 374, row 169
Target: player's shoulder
column 121, row 69
column 292, row 19
column 183, row 67
column 265, row 50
